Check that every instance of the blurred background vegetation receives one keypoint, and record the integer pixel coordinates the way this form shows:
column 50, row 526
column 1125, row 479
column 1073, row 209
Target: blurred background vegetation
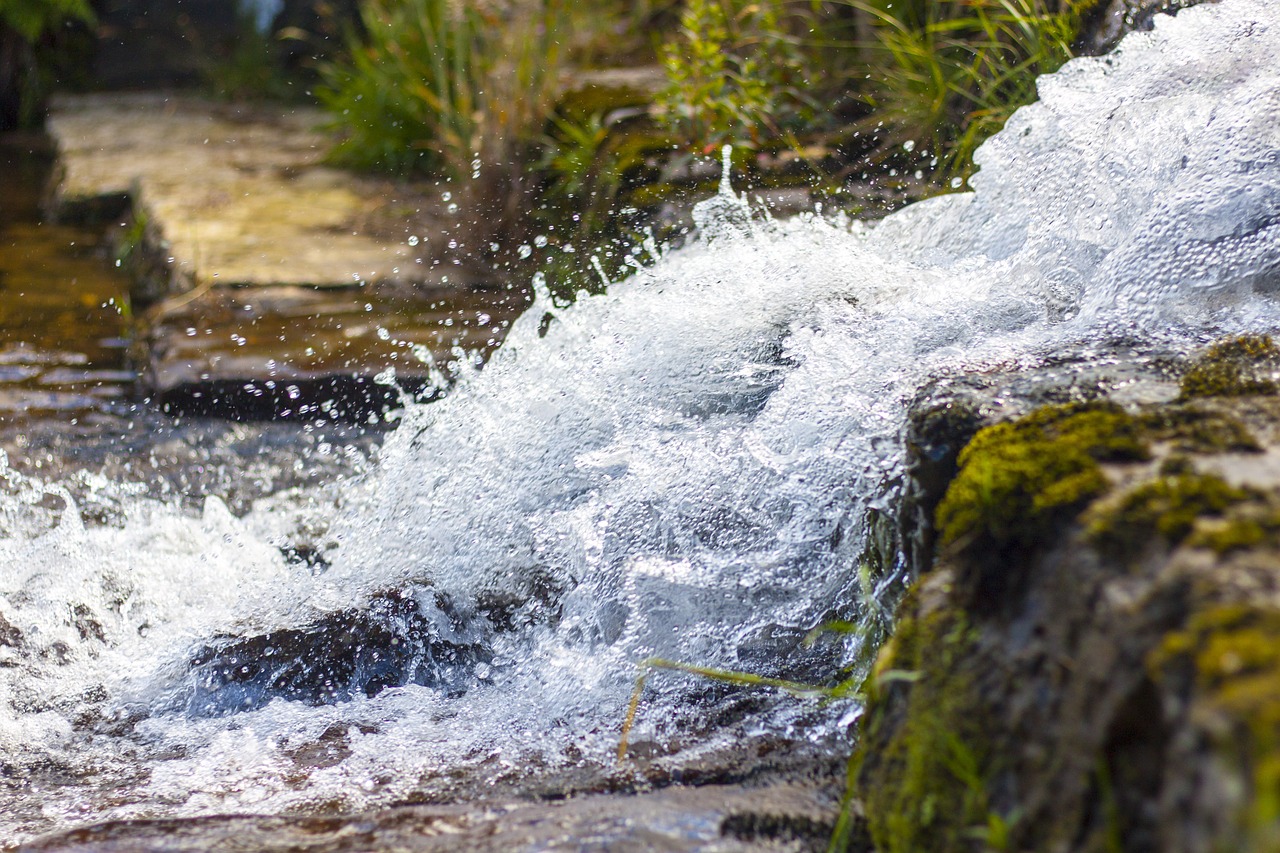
column 591, row 122
column 34, row 36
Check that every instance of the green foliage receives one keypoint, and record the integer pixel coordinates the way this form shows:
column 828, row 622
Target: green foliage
column 945, row 75
column 250, row 66
column 459, row 90
column 33, row 18
column 734, row 75
column 591, row 170
column 32, row 37
column 585, row 165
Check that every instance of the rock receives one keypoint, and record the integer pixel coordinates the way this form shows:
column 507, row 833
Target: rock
column 393, row 641
column 775, row 817
column 227, row 195
column 1110, row 21
column 305, row 353
column 1091, row 663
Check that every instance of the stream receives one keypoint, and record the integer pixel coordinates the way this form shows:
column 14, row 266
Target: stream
column 684, row 467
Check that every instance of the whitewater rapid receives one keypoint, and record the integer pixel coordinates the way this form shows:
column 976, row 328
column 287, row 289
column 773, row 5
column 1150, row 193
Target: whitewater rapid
column 683, row 466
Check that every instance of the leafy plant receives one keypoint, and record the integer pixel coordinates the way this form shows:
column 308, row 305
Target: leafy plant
column 250, row 65
column 459, row 90
column 23, row 81
column 735, row 75
column 946, row 74
column 31, row 19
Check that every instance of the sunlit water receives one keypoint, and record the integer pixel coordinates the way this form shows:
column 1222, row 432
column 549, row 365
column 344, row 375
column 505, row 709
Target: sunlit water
column 681, row 467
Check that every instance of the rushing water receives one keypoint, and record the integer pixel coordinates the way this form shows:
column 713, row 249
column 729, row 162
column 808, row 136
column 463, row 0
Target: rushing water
column 680, row 467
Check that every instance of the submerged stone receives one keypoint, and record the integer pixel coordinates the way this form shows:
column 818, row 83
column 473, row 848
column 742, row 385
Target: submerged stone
column 393, row 641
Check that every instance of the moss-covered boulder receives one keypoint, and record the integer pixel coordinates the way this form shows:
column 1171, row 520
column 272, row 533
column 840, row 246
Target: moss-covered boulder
column 1092, row 662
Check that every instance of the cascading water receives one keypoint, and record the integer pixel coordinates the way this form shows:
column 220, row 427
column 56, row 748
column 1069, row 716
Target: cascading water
column 681, row 467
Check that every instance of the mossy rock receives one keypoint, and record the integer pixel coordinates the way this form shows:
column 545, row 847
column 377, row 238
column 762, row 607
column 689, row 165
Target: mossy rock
column 1230, row 655
column 1167, row 507
column 924, row 768
column 1018, row 480
column 1191, row 429
column 1234, row 367
column 1044, row 690
column 1250, row 527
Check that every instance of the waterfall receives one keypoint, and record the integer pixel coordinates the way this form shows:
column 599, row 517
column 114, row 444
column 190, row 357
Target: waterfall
column 683, row 466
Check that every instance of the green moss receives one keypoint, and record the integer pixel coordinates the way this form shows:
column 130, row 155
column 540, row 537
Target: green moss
column 1017, row 479
column 1168, row 506
column 923, row 773
column 1193, row 430
column 1176, row 464
column 1233, row 368
column 1247, row 525
column 1234, row 654
column 1233, row 534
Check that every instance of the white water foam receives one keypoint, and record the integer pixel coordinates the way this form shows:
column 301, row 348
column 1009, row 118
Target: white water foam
column 681, row 467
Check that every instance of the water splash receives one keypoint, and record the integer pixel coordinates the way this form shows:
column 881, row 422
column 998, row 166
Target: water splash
column 726, row 214
column 680, row 467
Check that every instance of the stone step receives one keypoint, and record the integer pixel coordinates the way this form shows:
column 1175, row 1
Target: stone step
column 268, row 284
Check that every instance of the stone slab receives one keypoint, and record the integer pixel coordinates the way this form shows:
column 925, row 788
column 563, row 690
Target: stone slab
column 274, row 285
column 303, row 352
column 240, row 195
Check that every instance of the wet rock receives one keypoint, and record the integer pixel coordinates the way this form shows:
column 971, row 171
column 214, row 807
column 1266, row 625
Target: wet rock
column 948, row 411
column 777, row 817
column 393, row 641
column 293, row 353
column 1109, row 22
column 1111, row 681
